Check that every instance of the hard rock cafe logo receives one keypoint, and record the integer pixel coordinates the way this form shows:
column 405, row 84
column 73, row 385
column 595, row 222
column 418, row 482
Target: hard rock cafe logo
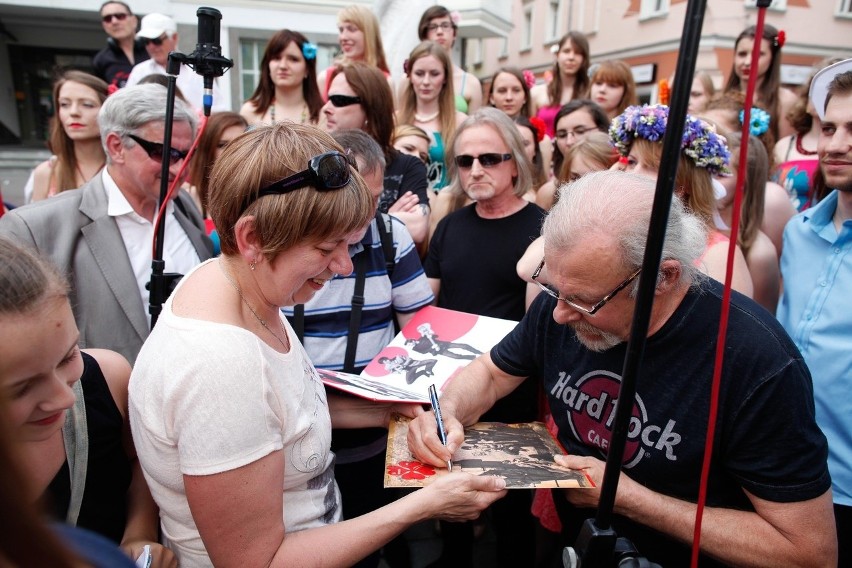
column 590, row 407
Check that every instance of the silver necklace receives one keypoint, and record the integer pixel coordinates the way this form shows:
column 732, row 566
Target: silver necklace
column 254, row 313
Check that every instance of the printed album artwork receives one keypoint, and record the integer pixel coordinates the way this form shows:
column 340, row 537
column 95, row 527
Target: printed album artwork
column 431, row 348
column 522, row 454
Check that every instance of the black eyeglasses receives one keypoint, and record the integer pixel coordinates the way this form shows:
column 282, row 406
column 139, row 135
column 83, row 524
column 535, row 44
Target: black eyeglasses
column 588, row 311
column 443, row 25
column 108, row 18
column 327, row 172
column 155, row 150
column 485, row 160
column 156, row 40
column 344, row 100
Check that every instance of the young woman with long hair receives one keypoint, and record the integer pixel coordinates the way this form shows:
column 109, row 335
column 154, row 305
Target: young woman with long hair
column 360, row 98
column 360, row 39
column 429, row 102
column 288, row 82
column 769, row 94
column 509, row 92
column 75, row 139
column 570, row 80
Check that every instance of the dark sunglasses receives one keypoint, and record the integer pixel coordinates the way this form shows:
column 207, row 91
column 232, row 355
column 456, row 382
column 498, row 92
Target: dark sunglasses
column 108, row 18
column 485, row 160
column 155, row 150
column 327, row 172
column 343, row 100
column 156, row 40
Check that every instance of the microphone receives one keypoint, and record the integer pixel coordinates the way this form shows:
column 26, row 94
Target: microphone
column 207, row 59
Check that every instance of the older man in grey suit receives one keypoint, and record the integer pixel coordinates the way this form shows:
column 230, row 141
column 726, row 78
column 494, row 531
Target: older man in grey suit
column 100, row 235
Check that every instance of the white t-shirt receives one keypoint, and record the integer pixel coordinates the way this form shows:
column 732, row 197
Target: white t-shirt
column 206, row 398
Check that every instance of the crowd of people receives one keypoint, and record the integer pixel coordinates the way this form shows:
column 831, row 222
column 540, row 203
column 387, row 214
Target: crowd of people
column 306, row 229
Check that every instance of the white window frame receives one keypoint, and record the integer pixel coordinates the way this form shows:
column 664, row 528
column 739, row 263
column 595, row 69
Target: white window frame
column 653, row 9
column 251, row 72
column 776, row 6
column 844, row 9
column 527, row 28
column 554, row 31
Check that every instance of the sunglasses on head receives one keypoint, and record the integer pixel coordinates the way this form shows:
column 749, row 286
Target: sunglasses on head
column 326, row 172
column 156, row 40
column 343, row 100
column 155, row 150
column 485, row 160
column 108, row 18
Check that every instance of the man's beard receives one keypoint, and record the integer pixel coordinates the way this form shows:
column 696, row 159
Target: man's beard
column 601, row 342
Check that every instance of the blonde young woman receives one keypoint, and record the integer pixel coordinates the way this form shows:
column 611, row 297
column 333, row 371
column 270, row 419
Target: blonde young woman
column 75, row 138
column 429, row 102
column 360, row 39
column 570, row 80
column 288, row 82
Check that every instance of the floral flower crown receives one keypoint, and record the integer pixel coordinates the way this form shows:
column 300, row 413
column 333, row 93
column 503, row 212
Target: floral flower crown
column 309, row 50
column 700, row 143
column 758, row 121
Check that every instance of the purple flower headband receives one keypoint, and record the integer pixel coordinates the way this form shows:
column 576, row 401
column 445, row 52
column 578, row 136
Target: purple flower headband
column 700, row 142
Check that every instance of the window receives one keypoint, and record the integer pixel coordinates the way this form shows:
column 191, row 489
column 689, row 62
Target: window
column 477, row 51
column 777, row 5
column 653, row 9
column 251, row 54
column 504, row 48
column 526, row 31
column 554, row 20
column 844, row 9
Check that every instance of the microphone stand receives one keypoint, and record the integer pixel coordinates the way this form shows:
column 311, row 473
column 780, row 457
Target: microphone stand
column 598, row 545
column 206, row 60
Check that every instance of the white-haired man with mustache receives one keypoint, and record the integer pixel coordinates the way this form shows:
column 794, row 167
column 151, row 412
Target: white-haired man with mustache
column 769, row 468
column 816, row 305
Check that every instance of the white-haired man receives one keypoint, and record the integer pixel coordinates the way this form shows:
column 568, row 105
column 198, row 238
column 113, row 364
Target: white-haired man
column 769, row 489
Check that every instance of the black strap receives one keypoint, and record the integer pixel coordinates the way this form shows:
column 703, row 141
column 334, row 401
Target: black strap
column 298, row 321
column 384, row 223
column 360, row 262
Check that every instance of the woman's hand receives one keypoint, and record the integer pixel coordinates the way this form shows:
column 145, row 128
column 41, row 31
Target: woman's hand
column 462, row 496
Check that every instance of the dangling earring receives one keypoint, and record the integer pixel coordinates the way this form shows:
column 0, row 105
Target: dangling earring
column 253, row 262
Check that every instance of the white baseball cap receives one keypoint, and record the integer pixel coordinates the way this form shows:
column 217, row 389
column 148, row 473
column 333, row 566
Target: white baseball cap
column 821, row 81
column 155, row 25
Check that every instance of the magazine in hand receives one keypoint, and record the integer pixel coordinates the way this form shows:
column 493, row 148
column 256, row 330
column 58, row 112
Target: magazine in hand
column 431, row 348
column 522, row 454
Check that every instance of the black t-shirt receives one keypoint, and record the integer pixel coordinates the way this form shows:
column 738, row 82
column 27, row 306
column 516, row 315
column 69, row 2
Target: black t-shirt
column 112, row 65
column 403, row 173
column 766, row 441
column 475, row 259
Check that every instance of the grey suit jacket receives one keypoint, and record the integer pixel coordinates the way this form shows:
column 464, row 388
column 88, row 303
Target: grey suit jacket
column 75, row 232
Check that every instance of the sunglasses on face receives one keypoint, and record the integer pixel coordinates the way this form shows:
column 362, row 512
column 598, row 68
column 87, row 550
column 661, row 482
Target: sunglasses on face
column 108, row 18
column 343, row 100
column 156, row 40
column 155, row 150
column 489, row 160
column 328, row 171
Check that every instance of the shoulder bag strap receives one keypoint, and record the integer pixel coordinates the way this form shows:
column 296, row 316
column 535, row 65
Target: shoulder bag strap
column 360, row 262
column 75, row 436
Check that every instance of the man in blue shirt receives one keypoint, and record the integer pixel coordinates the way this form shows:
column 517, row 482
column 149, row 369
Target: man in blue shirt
column 816, row 306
